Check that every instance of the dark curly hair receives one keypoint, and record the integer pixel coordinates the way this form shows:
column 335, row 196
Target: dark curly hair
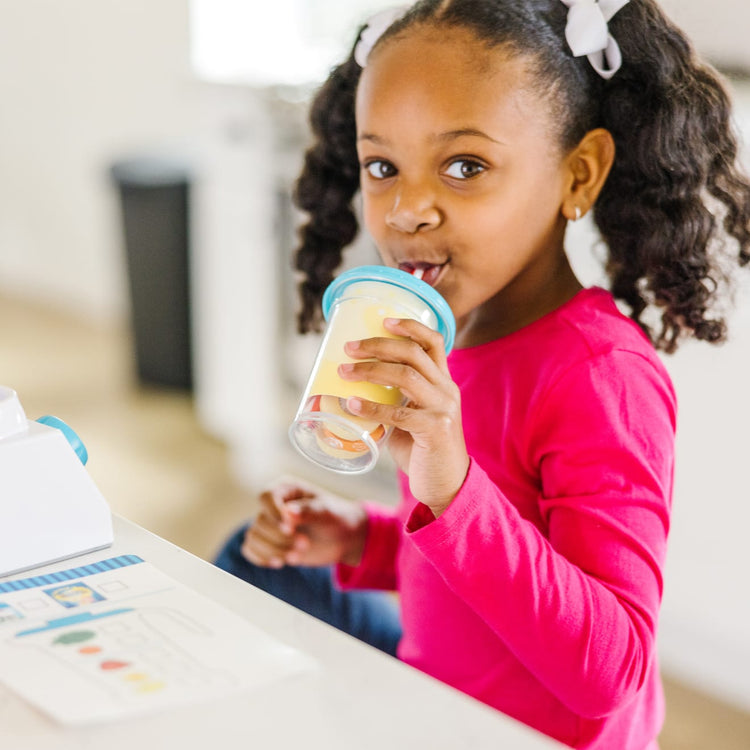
column 675, row 206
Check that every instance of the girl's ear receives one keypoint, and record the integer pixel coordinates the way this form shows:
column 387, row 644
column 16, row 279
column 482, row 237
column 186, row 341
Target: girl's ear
column 588, row 165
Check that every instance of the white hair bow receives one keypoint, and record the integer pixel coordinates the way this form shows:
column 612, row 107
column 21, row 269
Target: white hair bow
column 374, row 29
column 587, row 33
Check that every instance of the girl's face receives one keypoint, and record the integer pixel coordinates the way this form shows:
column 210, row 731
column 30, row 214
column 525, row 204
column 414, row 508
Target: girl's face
column 461, row 176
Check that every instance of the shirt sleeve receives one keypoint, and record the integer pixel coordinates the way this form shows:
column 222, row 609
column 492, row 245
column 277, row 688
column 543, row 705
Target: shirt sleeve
column 377, row 569
column 577, row 598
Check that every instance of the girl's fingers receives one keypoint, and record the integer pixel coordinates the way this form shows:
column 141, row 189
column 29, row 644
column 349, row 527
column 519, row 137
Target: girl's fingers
column 425, row 352
column 415, row 363
column 412, row 383
column 272, row 508
column 272, row 530
column 267, row 541
column 262, row 551
column 258, row 552
column 260, row 557
column 437, row 414
column 279, row 536
column 429, row 341
column 277, row 496
column 428, row 390
column 270, row 504
column 403, row 417
column 277, row 503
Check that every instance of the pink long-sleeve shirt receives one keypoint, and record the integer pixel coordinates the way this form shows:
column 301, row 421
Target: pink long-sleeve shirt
column 537, row 591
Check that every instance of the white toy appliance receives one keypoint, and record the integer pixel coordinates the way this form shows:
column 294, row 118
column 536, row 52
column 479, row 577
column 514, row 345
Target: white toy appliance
column 50, row 508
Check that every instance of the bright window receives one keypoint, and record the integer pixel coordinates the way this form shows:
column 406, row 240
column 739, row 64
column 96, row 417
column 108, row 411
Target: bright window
column 274, row 42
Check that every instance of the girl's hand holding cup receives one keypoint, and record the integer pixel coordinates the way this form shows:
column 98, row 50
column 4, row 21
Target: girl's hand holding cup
column 427, row 441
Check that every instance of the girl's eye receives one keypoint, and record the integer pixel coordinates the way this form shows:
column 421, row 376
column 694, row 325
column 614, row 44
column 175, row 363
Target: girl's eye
column 463, row 169
column 379, row 169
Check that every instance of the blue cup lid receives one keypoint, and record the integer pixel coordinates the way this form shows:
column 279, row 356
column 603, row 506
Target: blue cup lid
column 403, row 280
column 75, row 442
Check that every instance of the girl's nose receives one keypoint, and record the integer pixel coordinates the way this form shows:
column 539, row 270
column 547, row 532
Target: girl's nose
column 413, row 210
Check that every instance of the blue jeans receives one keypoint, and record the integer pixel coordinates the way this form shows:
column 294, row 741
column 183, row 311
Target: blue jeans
column 371, row 616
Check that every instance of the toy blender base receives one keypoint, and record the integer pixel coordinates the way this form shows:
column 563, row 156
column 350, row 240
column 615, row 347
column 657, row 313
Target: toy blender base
column 50, row 508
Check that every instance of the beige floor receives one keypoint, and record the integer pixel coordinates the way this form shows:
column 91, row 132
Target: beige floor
column 155, row 465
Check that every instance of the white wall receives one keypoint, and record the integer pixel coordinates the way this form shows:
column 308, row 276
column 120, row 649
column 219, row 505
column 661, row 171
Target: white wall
column 704, row 632
column 81, row 82
column 718, row 28
column 85, row 81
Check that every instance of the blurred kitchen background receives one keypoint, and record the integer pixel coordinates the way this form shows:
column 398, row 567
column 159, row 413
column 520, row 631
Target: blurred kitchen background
column 147, row 155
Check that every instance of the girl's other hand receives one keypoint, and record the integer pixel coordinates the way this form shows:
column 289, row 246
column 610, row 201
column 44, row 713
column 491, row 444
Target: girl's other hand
column 302, row 525
column 427, row 441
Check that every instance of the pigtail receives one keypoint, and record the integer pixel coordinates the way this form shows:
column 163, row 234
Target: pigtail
column 325, row 189
column 675, row 183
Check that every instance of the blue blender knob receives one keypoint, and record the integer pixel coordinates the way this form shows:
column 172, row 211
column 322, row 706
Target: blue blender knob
column 75, row 442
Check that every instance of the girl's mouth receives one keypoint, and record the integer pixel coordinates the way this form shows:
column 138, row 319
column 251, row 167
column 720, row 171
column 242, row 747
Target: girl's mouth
column 428, row 272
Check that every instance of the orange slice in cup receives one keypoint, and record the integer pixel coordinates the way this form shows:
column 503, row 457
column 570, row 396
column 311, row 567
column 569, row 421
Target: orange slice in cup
column 330, row 431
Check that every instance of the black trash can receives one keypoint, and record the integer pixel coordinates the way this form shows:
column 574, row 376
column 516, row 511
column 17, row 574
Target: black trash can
column 154, row 197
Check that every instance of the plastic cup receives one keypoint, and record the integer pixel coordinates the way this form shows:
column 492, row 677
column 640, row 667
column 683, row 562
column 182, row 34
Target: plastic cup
column 354, row 306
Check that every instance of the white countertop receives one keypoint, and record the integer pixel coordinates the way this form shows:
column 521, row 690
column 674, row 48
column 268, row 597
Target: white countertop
column 359, row 698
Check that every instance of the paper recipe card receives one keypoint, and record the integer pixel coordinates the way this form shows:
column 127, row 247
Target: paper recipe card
column 119, row 637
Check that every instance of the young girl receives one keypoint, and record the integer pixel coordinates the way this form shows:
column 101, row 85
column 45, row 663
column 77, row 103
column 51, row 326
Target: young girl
column 537, row 459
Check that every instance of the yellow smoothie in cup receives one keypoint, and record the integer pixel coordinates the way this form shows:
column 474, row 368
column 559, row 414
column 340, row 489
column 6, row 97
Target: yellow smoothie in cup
column 323, row 429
